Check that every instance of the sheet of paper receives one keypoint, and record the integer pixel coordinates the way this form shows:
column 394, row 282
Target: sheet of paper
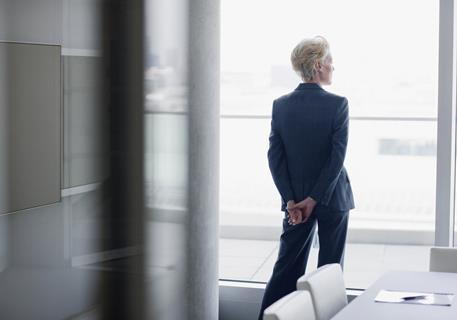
column 409, row 297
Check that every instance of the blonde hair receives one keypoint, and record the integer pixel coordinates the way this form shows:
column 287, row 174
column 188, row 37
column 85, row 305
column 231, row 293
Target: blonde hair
column 306, row 53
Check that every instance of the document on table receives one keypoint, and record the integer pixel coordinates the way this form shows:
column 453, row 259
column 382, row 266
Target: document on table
column 408, row 297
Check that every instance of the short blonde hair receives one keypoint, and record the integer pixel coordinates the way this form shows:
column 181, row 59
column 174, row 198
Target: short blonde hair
column 305, row 55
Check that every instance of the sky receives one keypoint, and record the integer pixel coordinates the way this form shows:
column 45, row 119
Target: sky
column 378, row 35
column 385, row 53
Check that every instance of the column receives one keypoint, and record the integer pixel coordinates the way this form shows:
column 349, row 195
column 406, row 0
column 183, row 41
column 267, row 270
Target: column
column 203, row 222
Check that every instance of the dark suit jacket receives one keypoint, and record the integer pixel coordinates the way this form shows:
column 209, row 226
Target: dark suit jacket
column 308, row 139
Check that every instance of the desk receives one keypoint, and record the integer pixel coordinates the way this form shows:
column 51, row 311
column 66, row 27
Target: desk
column 364, row 307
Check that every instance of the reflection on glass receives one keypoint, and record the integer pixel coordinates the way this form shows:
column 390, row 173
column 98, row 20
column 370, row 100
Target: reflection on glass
column 166, row 157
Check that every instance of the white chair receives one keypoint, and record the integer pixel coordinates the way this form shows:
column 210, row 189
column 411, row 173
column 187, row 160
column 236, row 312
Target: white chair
column 443, row 259
column 327, row 289
column 295, row 306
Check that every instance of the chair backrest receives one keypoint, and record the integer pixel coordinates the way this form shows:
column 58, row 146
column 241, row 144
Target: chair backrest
column 327, row 289
column 295, row 306
column 443, row 259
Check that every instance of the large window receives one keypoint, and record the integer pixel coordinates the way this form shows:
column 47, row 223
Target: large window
column 385, row 55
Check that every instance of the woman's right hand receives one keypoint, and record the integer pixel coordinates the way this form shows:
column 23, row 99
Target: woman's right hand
column 294, row 214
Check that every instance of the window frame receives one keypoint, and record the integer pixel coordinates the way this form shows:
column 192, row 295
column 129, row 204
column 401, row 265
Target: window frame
column 445, row 162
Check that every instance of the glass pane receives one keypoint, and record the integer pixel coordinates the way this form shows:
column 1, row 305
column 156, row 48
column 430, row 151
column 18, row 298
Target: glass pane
column 166, row 158
column 390, row 79
column 383, row 68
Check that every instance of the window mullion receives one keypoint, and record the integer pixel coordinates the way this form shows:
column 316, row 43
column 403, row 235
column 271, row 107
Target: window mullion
column 445, row 175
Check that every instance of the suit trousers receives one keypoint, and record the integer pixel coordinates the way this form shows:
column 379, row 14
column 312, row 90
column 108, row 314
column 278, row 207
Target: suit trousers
column 294, row 248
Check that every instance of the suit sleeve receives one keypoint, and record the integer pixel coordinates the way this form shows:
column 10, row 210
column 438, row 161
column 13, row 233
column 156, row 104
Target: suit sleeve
column 328, row 177
column 277, row 161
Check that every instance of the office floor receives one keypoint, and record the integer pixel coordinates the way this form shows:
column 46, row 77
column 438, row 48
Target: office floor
column 253, row 260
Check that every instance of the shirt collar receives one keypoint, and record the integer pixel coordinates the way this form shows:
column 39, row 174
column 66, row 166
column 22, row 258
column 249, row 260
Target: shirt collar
column 309, row 85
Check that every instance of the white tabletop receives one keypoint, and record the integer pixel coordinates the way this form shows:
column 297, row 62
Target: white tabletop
column 364, row 307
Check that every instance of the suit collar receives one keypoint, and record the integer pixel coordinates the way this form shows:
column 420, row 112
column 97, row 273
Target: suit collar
column 309, row 85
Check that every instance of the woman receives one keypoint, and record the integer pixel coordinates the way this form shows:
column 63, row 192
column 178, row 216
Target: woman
column 308, row 140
